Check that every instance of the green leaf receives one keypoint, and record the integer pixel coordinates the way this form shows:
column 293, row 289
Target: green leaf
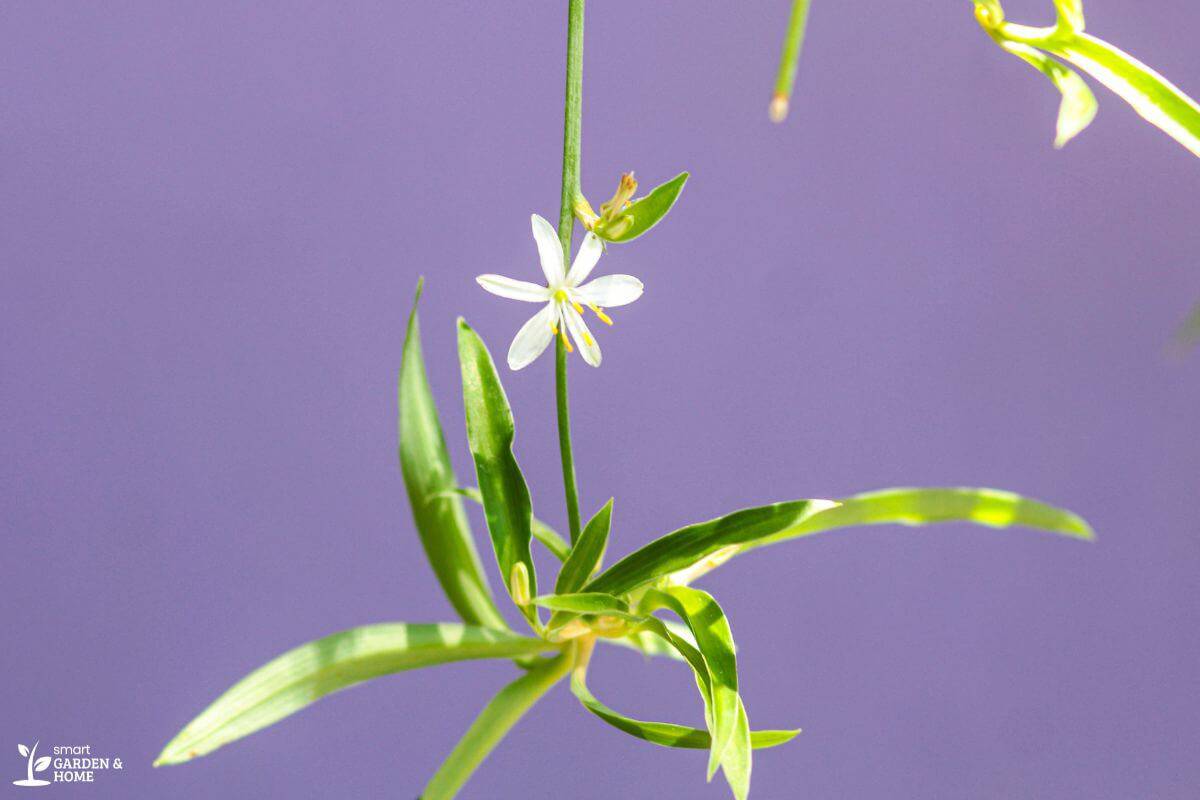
column 1189, row 332
column 587, row 554
column 1078, row 107
column 307, row 673
column 583, row 603
column 440, row 520
column 707, row 622
column 1070, row 14
column 992, row 508
column 644, row 213
column 666, row 733
column 490, row 431
column 1156, row 99
column 907, row 506
column 496, row 719
column 736, row 762
column 540, row 530
column 687, row 546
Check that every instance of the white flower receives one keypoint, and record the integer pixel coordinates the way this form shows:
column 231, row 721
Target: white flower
column 564, row 297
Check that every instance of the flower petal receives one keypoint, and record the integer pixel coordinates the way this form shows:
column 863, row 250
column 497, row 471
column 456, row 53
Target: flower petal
column 514, row 289
column 610, row 290
column 531, row 340
column 582, row 336
column 549, row 250
column 585, row 260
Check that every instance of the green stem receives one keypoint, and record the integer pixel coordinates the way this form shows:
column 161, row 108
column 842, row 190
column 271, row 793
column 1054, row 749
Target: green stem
column 789, row 59
column 566, row 227
column 496, row 719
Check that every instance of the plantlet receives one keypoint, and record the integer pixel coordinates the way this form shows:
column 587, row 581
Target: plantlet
column 644, row 600
column 1156, row 99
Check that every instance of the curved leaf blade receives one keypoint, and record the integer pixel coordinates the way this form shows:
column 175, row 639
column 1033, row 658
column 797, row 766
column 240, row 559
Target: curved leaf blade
column 993, row 508
column 490, row 431
column 492, row 724
column 645, row 212
column 687, row 546
column 914, row 507
column 587, row 553
column 440, row 520
column 305, row 674
column 665, row 733
column 710, row 628
column 1078, row 107
column 1156, row 99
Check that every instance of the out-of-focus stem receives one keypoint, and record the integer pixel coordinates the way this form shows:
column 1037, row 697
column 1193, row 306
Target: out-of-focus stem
column 789, row 59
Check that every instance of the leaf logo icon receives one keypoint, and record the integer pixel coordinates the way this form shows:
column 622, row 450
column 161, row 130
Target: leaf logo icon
column 32, row 765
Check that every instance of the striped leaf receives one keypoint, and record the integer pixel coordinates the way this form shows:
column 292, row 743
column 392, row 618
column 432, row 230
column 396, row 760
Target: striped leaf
column 437, row 512
column 496, row 720
column 490, row 430
column 307, row 673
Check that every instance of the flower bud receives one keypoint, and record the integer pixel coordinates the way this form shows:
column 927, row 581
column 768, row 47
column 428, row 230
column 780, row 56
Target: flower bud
column 518, row 584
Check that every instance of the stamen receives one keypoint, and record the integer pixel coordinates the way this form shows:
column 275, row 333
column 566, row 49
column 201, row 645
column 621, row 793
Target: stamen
column 600, row 313
column 566, row 341
column 588, row 341
column 578, row 308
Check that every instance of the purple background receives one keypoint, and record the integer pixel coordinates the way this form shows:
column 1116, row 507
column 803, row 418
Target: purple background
column 213, row 217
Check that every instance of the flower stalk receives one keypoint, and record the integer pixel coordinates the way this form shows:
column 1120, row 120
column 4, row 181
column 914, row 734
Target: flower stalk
column 572, row 117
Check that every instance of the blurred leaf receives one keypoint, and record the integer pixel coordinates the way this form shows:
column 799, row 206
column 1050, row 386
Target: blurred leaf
column 587, row 554
column 1156, row 99
column 490, row 431
column 1078, row 107
column 307, row 673
column 540, row 530
column 665, row 733
column 644, row 213
column 707, row 622
column 687, row 546
column 583, row 603
column 23, row 750
column 1189, row 334
column 496, row 719
column 1070, row 14
column 440, row 520
column 41, row 764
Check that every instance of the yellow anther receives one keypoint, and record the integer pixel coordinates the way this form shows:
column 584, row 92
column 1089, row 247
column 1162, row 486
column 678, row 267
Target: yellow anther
column 600, row 313
column 588, row 340
column 578, row 308
column 566, row 341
